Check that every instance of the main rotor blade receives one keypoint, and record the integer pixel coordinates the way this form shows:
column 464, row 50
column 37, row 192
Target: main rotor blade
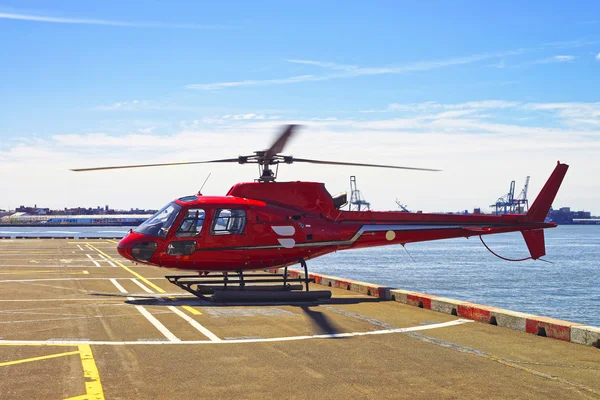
column 156, row 165
column 360, row 164
column 279, row 144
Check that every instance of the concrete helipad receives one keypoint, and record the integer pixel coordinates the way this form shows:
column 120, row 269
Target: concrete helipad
column 77, row 321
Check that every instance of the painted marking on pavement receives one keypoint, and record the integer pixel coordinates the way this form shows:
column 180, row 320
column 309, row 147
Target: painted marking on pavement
column 92, row 260
column 157, row 324
column 107, row 260
column 144, row 287
column 17, row 272
column 195, row 324
column 80, row 248
column 234, row 341
column 191, row 310
column 191, row 321
column 5, row 364
column 146, row 281
column 87, row 242
column 93, row 387
column 118, row 285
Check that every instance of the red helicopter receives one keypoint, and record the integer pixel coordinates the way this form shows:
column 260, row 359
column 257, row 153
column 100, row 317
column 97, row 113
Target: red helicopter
column 268, row 224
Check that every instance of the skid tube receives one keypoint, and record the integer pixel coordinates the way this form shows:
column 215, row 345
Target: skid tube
column 257, row 287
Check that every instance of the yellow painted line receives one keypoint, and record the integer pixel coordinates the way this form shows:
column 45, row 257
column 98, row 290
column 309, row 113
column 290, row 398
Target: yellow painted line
column 146, row 281
column 82, row 397
column 5, row 364
column 140, row 277
column 93, row 387
column 191, row 310
column 113, row 241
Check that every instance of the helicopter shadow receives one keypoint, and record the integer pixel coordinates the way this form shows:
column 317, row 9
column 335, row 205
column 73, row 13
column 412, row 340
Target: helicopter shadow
column 320, row 322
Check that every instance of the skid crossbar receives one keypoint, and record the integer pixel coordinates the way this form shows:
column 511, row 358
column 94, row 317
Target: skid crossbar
column 202, row 285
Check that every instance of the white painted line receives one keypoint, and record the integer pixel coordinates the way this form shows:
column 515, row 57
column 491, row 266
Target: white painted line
column 45, row 266
column 118, row 285
column 157, row 324
column 62, row 279
column 195, row 324
column 71, row 342
column 189, row 319
column 163, row 329
column 92, row 260
column 140, row 284
column 200, row 302
column 107, row 260
column 80, row 248
column 89, row 247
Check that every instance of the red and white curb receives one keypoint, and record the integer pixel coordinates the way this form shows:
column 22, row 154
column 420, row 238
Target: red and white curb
column 541, row 326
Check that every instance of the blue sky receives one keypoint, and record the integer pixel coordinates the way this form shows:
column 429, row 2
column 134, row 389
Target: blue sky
column 487, row 92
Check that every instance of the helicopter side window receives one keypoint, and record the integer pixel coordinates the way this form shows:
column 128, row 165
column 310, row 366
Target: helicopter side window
column 229, row 221
column 191, row 224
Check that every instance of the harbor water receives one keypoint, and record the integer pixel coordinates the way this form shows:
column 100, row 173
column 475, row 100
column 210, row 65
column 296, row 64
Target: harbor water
column 566, row 287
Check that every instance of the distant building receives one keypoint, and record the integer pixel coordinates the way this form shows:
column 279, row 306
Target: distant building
column 564, row 215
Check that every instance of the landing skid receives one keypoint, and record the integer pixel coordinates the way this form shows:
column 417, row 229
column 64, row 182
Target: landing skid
column 252, row 287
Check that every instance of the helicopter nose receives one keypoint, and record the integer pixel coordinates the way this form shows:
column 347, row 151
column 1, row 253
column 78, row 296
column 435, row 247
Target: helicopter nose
column 137, row 247
column 124, row 252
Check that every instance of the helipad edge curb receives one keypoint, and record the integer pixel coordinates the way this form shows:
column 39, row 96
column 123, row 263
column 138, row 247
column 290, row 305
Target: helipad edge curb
column 537, row 325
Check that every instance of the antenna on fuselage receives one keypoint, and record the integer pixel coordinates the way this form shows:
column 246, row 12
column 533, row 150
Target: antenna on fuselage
column 200, row 191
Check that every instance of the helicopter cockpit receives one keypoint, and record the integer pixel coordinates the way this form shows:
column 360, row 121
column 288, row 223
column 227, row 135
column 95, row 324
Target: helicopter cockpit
column 159, row 224
column 181, row 226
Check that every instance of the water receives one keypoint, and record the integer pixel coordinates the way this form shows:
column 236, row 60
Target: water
column 463, row 269
column 460, row 269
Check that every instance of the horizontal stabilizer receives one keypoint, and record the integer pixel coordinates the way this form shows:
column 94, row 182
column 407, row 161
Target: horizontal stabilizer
column 535, row 243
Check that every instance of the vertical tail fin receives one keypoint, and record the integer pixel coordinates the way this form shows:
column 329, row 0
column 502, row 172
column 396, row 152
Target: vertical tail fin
column 539, row 210
column 535, row 243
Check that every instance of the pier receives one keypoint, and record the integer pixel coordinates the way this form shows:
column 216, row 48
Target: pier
column 78, row 321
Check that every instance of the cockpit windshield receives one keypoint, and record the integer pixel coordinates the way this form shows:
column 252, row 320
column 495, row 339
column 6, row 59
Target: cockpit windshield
column 159, row 224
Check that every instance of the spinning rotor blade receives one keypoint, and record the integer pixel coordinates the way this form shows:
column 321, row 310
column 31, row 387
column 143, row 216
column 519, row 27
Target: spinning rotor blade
column 279, row 144
column 157, row 165
column 360, row 164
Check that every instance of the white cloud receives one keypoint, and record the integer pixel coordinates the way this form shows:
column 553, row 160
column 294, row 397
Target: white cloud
column 598, row 57
column 564, row 58
column 88, row 21
column 322, row 64
column 147, row 131
column 574, row 113
column 125, row 106
column 223, row 85
column 350, row 71
column 453, row 137
column 553, row 59
column 432, row 106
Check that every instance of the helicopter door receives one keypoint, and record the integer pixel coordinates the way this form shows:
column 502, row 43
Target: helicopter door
column 184, row 241
column 228, row 229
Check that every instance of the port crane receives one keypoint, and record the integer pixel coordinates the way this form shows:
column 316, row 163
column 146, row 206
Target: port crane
column 357, row 201
column 402, row 206
column 509, row 204
column 269, row 224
